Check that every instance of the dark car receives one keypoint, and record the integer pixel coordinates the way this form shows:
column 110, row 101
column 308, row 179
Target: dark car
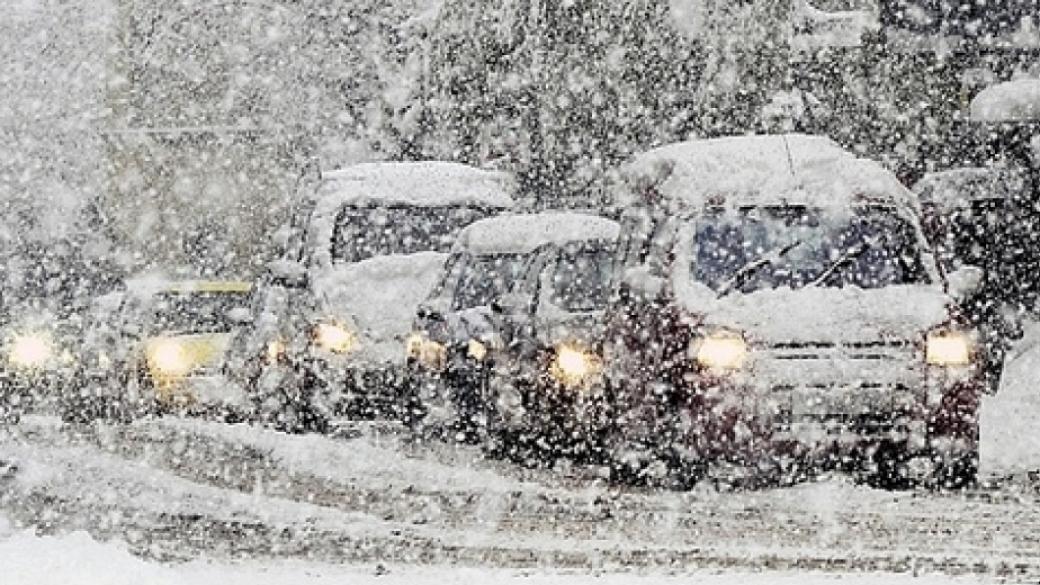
column 458, row 334
column 979, row 217
column 780, row 311
column 547, row 398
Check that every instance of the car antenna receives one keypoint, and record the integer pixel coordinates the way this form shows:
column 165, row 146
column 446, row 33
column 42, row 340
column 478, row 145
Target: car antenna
column 790, row 158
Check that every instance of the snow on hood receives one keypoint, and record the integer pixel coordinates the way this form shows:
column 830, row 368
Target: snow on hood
column 521, row 234
column 1012, row 101
column 791, row 169
column 380, row 294
column 821, row 314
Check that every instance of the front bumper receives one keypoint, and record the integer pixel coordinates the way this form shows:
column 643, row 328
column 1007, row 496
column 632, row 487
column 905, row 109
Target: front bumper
column 533, row 407
column 24, row 390
column 456, row 394
column 719, row 419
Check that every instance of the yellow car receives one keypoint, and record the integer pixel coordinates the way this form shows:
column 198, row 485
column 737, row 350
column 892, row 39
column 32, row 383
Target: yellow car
column 165, row 351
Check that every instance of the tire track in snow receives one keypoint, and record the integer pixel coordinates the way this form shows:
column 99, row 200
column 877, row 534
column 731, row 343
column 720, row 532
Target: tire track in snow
column 595, row 528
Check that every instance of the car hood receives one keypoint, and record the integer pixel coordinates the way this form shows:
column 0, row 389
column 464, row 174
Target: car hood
column 379, row 295
column 825, row 315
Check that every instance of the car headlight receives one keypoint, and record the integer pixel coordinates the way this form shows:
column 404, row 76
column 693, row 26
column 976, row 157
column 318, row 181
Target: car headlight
column 335, row 338
column 573, row 365
column 476, row 350
column 721, row 351
column 948, row 348
column 275, row 351
column 169, row 359
column 31, row 351
column 428, row 353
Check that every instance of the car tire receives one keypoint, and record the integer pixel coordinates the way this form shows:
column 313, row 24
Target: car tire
column 956, row 473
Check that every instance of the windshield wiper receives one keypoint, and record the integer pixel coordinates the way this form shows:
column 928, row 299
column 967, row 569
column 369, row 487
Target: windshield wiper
column 846, row 258
column 751, row 268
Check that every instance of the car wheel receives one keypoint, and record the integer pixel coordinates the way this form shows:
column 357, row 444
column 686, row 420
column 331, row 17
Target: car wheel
column 956, row 473
column 889, row 467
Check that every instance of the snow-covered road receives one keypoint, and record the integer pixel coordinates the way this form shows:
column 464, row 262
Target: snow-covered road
column 178, row 490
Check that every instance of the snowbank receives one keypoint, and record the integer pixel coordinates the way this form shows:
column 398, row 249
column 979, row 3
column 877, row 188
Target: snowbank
column 76, row 559
column 1010, row 420
column 764, row 170
column 1012, row 101
column 523, row 233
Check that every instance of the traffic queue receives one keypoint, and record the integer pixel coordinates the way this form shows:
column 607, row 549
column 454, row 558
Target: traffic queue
column 769, row 303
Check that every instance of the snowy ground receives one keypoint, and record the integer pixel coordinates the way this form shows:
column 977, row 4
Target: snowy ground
column 176, row 501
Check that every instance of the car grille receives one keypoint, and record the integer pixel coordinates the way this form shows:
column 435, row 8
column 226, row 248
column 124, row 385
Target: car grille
column 825, row 365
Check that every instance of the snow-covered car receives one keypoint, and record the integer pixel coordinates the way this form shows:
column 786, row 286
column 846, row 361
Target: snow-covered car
column 458, row 332
column 375, row 238
column 160, row 351
column 983, row 218
column 780, row 308
column 547, row 397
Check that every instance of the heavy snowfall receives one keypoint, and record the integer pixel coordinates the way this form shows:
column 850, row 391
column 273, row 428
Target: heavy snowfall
column 519, row 291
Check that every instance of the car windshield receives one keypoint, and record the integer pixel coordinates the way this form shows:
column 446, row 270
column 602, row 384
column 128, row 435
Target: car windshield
column 366, row 232
column 772, row 247
column 487, row 277
column 196, row 313
column 581, row 278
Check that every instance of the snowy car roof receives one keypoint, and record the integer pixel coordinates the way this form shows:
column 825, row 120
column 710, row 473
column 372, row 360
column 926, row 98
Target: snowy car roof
column 419, row 184
column 954, row 187
column 1012, row 101
column 523, row 233
column 790, row 169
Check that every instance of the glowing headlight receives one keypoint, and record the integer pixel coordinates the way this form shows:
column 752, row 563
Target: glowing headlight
column 335, row 338
column 573, row 366
column 476, row 350
column 427, row 352
column 169, row 359
column 275, row 351
column 721, row 351
column 31, row 351
column 948, row 348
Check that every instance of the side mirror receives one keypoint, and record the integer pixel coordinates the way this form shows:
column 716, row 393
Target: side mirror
column 240, row 316
column 964, row 282
column 288, row 274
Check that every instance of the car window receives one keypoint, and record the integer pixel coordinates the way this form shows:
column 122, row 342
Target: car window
column 580, row 278
column 763, row 248
column 486, row 278
column 366, row 232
